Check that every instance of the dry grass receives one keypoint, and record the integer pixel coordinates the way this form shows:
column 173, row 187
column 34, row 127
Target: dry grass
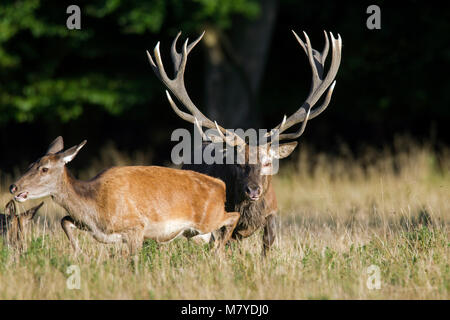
column 339, row 215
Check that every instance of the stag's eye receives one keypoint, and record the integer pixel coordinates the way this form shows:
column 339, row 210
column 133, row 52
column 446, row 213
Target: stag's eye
column 44, row 169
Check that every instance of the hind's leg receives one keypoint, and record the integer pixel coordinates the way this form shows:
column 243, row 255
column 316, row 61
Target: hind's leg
column 134, row 239
column 230, row 221
column 68, row 225
column 202, row 238
column 107, row 238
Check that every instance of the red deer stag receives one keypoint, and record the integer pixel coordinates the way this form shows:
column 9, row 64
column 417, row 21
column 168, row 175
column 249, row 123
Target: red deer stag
column 13, row 224
column 249, row 185
column 128, row 204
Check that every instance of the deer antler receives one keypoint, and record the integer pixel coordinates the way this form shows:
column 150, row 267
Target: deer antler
column 177, row 87
column 318, row 87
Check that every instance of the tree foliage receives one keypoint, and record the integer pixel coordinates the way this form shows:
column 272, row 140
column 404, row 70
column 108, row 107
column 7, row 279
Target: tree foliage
column 49, row 71
column 390, row 80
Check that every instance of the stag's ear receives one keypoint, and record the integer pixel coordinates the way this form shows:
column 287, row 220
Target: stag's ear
column 56, row 146
column 71, row 153
column 283, row 150
column 10, row 208
column 29, row 214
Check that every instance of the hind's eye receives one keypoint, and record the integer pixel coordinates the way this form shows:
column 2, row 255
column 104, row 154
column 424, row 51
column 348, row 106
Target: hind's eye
column 44, row 170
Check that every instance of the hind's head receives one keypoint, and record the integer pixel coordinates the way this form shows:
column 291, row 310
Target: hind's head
column 45, row 174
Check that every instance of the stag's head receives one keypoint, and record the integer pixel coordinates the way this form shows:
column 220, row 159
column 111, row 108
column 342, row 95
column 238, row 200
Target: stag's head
column 43, row 176
column 252, row 174
column 253, row 166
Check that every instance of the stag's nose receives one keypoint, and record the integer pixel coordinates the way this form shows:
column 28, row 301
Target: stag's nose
column 13, row 188
column 253, row 192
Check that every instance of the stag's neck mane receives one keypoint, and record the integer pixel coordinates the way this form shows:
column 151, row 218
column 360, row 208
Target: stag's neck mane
column 252, row 215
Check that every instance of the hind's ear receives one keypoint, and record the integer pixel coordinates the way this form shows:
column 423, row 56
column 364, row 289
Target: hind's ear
column 56, row 146
column 29, row 214
column 71, row 153
column 10, row 208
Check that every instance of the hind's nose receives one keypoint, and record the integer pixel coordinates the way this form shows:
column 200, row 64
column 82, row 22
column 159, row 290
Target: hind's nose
column 13, row 188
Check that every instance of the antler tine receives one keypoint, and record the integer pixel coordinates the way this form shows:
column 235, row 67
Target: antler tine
column 315, row 73
column 176, row 57
column 199, row 128
column 300, row 41
column 231, row 139
column 320, row 57
column 177, row 86
column 318, row 87
column 183, row 115
column 302, row 128
column 182, row 67
column 158, row 68
column 150, row 59
column 295, row 135
column 194, row 43
column 325, row 48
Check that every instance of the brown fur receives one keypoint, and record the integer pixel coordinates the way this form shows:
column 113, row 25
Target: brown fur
column 13, row 225
column 253, row 214
column 124, row 194
column 129, row 204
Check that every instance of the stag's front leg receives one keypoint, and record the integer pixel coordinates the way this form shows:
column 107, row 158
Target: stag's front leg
column 269, row 233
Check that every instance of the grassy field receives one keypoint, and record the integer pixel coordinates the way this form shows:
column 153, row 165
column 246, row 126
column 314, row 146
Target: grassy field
column 338, row 216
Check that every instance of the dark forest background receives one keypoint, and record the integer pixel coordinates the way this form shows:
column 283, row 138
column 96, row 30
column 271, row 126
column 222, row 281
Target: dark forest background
column 96, row 83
